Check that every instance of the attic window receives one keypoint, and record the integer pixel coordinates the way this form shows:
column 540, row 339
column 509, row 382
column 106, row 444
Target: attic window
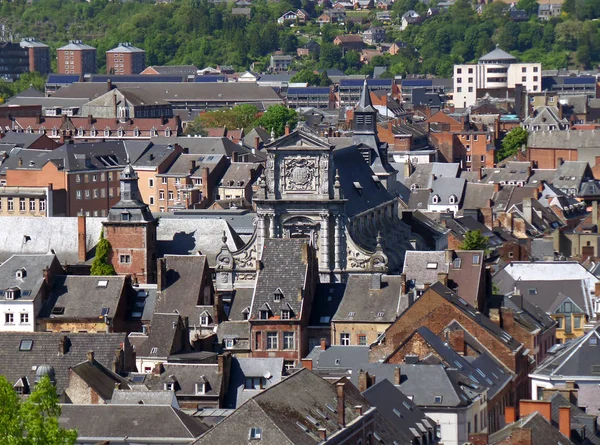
column 125, row 216
column 58, row 310
column 154, row 350
column 452, row 199
column 358, row 187
column 169, row 386
column 285, row 315
column 229, row 343
column 255, row 433
column 277, row 295
column 103, row 283
column 437, row 399
column 201, row 388
column 533, row 291
column 593, row 341
column 246, row 313
column 204, row 320
column 432, row 265
column 351, row 314
column 263, row 315
column 435, row 199
column 26, row 345
column 21, row 273
column 457, row 263
column 475, row 259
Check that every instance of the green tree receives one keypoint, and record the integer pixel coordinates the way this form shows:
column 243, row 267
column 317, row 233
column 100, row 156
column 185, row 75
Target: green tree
column 512, row 142
column 474, row 240
column 34, row 421
column 240, row 116
column 324, row 80
column 195, row 128
column 306, row 76
column 100, row 265
column 276, row 117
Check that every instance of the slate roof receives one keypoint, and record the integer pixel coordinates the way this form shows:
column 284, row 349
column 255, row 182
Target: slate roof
column 183, row 290
column 32, row 281
column 240, row 173
column 576, row 360
column 185, row 376
column 570, row 139
column 161, row 341
column 284, row 269
column 99, row 378
column 326, row 302
column 529, row 315
column 444, row 188
column 478, row 196
column 365, row 303
column 422, row 267
column 24, row 140
column 98, row 423
column 241, row 300
column 340, row 358
column 211, row 146
column 283, row 419
column 423, row 175
column 84, row 297
column 15, row 364
column 540, row 428
column 242, row 368
column 497, row 54
column 389, row 401
column 146, row 396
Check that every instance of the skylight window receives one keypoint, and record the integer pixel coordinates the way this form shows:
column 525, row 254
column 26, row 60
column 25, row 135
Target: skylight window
column 437, row 399
column 103, row 283
column 26, row 345
column 533, row 291
column 432, row 265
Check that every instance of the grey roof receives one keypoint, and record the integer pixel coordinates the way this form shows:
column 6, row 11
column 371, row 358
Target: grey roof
column 575, row 360
column 96, row 423
column 162, row 339
column 529, row 315
column 418, row 199
column 99, row 378
column 184, row 287
column 143, row 397
column 185, row 236
column 477, row 196
column 75, row 45
column 210, row 146
column 365, row 303
column 364, row 103
column 15, row 364
column 31, row 42
column 125, row 47
column 497, row 54
column 392, row 404
column 152, row 155
column 423, row 175
column 338, row 357
column 284, row 412
column 422, row 267
column 31, row 268
column 185, row 376
column 444, row 188
column 24, row 140
column 540, row 428
column 570, row 139
column 570, row 174
column 34, row 235
column 284, row 269
column 185, row 70
column 242, row 368
column 326, row 301
column 84, row 297
column 45, row 102
column 181, row 166
column 545, row 116
column 241, row 173
column 181, row 92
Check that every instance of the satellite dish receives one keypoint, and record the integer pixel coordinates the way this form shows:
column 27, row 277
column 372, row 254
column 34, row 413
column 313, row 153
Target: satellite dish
column 267, row 375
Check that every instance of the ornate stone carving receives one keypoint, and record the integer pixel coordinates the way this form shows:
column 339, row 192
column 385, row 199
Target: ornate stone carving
column 300, row 174
column 245, row 276
column 247, row 259
column 356, row 260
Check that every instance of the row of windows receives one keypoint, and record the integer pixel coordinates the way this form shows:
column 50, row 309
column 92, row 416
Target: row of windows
column 34, row 205
column 94, row 193
column 9, row 318
column 93, row 177
column 288, row 340
column 94, row 213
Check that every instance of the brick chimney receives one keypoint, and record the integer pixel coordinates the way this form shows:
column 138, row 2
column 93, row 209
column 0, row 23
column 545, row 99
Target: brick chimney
column 449, row 255
column 323, row 344
column 403, row 284
column 495, row 316
column 161, row 274
column 256, row 142
column 287, row 129
column 443, row 278
column 508, row 320
column 90, row 356
column 478, row 438
column 543, row 407
column 307, row 363
column 564, row 420
column 341, row 404
column 64, row 344
column 81, row 239
column 397, row 375
column 206, row 186
column 457, row 341
column 510, row 414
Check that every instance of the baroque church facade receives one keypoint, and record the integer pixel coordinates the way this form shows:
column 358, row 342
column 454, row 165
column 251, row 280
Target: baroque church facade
column 333, row 192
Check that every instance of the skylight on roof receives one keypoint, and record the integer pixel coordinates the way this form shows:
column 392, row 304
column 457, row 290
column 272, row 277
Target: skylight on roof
column 437, row 399
column 103, row 283
column 432, row 265
column 26, row 345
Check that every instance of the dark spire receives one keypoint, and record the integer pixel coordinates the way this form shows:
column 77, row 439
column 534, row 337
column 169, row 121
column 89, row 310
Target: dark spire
column 131, row 207
column 364, row 103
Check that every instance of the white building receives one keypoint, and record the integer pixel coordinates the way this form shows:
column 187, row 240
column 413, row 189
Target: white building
column 24, row 283
column 497, row 74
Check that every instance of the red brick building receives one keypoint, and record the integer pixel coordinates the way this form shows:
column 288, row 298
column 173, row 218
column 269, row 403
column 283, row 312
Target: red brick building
column 131, row 230
column 76, row 58
column 125, row 59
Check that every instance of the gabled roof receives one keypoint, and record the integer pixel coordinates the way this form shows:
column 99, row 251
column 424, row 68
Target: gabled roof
column 165, row 337
column 185, row 376
column 31, row 268
column 97, row 423
column 541, row 430
column 284, row 270
column 576, row 360
column 242, row 368
column 99, row 378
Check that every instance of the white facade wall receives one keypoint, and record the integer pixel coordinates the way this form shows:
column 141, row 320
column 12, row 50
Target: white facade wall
column 16, row 308
column 469, row 79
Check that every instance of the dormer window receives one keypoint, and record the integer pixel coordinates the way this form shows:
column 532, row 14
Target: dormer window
column 21, row 273
column 54, row 131
column 136, row 132
column 12, row 293
column 93, row 132
column 107, row 132
column 246, row 313
column 453, row 199
column 80, row 132
column 204, row 319
column 229, row 343
column 153, row 133
column 125, row 216
column 285, row 314
column 435, row 199
column 121, row 132
column 277, row 295
column 255, row 433
column 201, row 388
column 168, row 133
column 263, row 315
column 170, row 386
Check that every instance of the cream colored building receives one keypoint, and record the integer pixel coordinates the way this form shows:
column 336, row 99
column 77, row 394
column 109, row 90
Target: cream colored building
column 27, row 201
column 497, row 73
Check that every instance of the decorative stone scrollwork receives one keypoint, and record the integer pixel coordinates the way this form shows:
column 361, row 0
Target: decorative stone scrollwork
column 356, row 260
column 247, row 259
column 299, row 174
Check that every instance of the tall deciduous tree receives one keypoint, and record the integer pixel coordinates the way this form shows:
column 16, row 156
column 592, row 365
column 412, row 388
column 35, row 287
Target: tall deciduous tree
column 277, row 117
column 512, row 142
column 34, row 421
column 475, row 240
column 240, row 116
column 100, row 265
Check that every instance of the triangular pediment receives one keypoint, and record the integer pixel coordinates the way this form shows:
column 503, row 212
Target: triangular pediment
column 299, row 138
